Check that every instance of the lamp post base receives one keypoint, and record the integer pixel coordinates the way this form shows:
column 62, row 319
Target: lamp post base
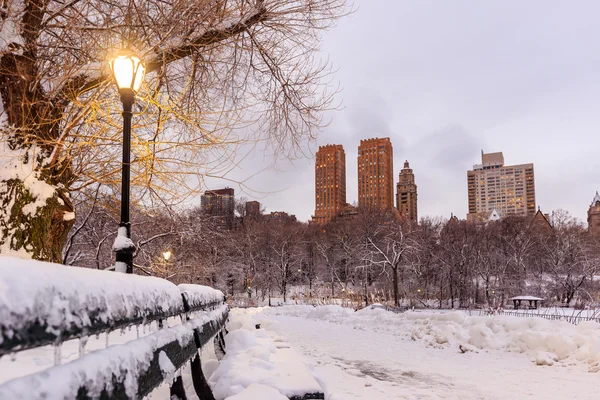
column 124, row 249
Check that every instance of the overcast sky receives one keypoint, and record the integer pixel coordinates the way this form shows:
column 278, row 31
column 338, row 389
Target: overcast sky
column 446, row 79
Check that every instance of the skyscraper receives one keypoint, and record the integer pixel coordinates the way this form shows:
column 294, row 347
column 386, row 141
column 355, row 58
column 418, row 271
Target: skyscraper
column 330, row 182
column 375, row 174
column 509, row 190
column 406, row 193
column 220, row 205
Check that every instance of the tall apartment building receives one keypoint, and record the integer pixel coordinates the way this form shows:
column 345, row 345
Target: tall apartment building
column 252, row 209
column 594, row 216
column 219, row 204
column 406, row 193
column 330, row 182
column 375, row 174
column 508, row 189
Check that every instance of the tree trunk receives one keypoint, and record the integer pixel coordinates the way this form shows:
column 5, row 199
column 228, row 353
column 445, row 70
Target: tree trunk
column 441, row 291
column 366, row 292
column 569, row 294
column 452, row 291
column 395, row 283
column 284, row 286
column 36, row 209
column 332, row 284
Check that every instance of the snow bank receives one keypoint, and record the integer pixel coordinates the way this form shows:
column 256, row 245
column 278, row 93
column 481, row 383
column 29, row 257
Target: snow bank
column 62, row 298
column 256, row 391
column 199, row 296
column 546, row 342
column 256, row 360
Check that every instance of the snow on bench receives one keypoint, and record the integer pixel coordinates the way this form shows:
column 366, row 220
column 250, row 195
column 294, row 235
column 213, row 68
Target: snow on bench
column 259, row 366
column 130, row 370
column 201, row 296
column 43, row 303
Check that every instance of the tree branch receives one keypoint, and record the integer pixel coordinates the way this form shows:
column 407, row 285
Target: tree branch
column 83, row 83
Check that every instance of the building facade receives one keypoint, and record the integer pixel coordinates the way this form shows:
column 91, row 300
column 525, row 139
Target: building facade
column 406, row 193
column 508, row 189
column 330, row 182
column 279, row 217
column 375, row 174
column 219, row 204
column 594, row 216
column 541, row 221
column 252, row 209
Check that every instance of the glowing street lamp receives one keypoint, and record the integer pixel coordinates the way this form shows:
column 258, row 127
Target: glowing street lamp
column 166, row 255
column 128, row 71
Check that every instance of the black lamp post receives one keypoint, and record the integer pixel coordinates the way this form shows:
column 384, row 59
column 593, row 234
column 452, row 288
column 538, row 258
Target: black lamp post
column 128, row 71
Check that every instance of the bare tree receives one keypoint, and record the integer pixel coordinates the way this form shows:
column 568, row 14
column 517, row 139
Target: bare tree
column 213, row 68
column 569, row 257
column 286, row 252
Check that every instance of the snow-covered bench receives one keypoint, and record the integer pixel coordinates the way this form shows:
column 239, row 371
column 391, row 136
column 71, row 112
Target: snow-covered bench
column 259, row 364
column 45, row 304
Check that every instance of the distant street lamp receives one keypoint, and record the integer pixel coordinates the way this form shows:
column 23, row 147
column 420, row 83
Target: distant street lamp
column 128, row 71
column 166, row 255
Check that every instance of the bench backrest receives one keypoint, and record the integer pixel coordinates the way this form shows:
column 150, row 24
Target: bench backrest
column 43, row 303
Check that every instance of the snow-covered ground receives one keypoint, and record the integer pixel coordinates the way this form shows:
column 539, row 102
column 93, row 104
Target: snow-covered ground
column 376, row 355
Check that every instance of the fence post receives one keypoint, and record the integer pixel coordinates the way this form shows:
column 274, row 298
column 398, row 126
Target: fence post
column 177, row 389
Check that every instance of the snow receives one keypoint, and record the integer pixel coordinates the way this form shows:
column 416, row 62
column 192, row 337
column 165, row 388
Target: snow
column 375, row 354
column 62, row 297
column 10, row 37
column 526, row 298
column 166, row 366
column 122, row 241
column 256, row 356
column 198, row 295
column 121, row 267
column 572, row 344
column 68, row 215
column 257, row 391
column 13, row 166
column 545, row 358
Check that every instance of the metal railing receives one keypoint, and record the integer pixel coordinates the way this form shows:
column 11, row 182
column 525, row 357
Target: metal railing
column 572, row 319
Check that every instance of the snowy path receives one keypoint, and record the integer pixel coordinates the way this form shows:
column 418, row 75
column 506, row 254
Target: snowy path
column 364, row 364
